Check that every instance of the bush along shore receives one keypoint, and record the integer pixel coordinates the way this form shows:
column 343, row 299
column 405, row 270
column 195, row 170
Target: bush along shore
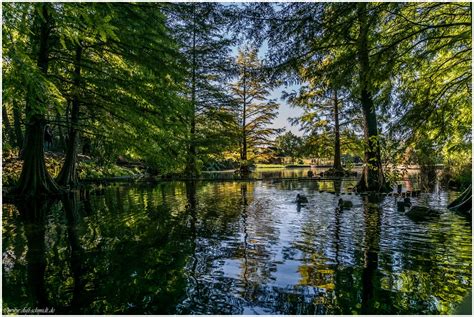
column 88, row 169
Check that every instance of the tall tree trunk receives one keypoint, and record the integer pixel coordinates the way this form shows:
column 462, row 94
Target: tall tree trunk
column 8, row 127
column 191, row 164
column 191, row 168
column 17, row 126
column 337, row 142
column 372, row 174
column 34, row 178
column 244, row 168
column 62, row 139
column 68, row 173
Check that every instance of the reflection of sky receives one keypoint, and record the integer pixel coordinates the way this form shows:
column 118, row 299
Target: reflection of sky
column 287, row 273
column 232, row 268
column 298, row 252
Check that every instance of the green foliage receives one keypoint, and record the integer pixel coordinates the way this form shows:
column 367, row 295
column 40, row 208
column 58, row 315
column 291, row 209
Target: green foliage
column 289, row 145
column 93, row 170
column 255, row 112
column 200, row 29
column 458, row 168
column 22, row 77
column 219, row 164
column 434, row 75
column 417, row 73
column 392, row 176
column 154, row 79
column 130, row 81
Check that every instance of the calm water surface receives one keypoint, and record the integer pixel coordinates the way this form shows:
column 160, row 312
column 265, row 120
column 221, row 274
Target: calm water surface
column 233, row 248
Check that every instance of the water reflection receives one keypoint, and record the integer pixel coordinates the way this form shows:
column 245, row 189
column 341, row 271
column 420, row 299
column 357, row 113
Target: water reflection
column 233, row 248
column 372, row 222
column 73, row 217
column 33, row 215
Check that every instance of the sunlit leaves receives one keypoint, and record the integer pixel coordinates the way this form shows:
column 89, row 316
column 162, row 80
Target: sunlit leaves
column 251, row 91
column 434, row 78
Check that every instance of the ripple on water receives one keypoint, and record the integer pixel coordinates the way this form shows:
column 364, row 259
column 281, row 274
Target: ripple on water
column 240, row 248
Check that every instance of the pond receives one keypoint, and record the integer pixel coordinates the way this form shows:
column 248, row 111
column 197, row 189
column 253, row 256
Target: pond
column 233, row 247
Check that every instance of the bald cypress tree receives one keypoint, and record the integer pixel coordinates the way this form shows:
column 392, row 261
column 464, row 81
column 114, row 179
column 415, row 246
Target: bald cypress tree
column 35, row 179
column 341, row 34
column 123, row 80
column 118, row 85
column 256, row 112
column 390, row 54
column 200, row 29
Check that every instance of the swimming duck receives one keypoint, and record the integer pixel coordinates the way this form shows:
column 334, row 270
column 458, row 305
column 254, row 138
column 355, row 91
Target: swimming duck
column 401, row 206
column 301, row 199
column 344, row 203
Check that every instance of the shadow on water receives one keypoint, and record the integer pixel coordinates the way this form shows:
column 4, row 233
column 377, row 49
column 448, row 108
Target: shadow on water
column 233, row 248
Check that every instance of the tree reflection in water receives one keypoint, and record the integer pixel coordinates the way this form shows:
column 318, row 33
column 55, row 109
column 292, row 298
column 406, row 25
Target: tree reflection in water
column 232, row 248
column 372, row 219
column 143, row 269
column 33, row 214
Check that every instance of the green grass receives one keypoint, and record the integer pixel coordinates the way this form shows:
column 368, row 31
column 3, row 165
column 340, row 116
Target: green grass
column 270, row 165
column 298, row 165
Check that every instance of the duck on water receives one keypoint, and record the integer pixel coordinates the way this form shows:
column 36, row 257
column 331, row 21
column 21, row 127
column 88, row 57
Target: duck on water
column 301, row 199
column 345, row 204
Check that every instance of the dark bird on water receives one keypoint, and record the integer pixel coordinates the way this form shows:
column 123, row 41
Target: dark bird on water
column 300, row 199
column 401, row 206
column 345, row 203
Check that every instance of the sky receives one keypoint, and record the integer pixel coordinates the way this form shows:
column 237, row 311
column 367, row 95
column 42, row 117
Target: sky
column 285, row 111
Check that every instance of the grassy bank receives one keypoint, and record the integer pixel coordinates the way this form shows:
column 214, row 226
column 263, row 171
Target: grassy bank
column 270, row 165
